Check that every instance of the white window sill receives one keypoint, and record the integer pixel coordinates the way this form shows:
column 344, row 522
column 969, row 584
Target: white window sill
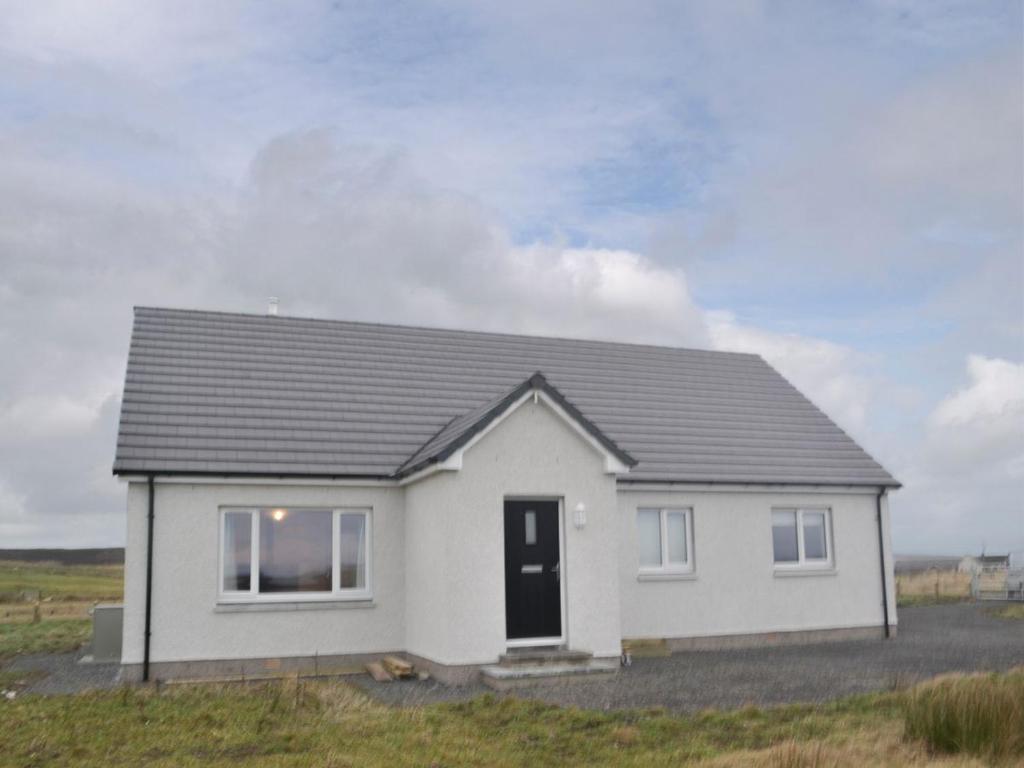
column 257, row 606
column 805, row 570
column 666, row 576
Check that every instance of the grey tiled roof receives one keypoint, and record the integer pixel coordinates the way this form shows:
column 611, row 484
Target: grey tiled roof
column 220, row 393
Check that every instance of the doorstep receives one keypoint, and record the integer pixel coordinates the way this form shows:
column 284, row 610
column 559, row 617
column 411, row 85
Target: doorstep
column 522, row 674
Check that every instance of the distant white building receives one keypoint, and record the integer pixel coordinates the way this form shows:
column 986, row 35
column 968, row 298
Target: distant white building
column 981, row 563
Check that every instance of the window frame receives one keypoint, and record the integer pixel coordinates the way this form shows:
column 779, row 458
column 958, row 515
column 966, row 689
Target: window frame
column 667, row 568
column 803, row 563
column 336, row 593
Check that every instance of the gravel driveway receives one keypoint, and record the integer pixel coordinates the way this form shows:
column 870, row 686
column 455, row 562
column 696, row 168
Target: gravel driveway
column 932, row 640
column 61, row 673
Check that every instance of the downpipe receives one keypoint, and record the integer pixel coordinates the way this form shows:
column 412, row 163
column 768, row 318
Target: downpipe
column 881, row 559
column 149, row 583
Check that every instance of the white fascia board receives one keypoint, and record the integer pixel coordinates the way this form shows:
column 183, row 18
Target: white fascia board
column 849, row 490
column 452, row 464
column 255, row 480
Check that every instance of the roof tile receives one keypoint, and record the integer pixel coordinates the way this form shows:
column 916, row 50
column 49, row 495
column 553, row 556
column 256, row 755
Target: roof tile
column 229, row 393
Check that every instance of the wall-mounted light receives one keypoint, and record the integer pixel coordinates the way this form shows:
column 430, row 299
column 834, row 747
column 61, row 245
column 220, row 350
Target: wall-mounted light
column 579, row 515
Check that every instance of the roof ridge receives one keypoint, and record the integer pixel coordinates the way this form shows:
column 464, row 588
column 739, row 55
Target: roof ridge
column 425, row 443
column 441, row 329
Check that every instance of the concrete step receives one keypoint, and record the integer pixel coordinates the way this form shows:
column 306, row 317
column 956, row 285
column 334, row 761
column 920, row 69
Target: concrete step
column 524, row 675
column 540, row 656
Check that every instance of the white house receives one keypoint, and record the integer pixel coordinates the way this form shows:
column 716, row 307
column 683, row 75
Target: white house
column 308, row 494
column 982, row 563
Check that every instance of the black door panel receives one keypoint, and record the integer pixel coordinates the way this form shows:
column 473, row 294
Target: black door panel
column 533, row 604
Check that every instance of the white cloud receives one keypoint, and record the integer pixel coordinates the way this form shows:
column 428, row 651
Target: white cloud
column 352, row 231
column 133, row 39
column 965, row 477
column 981, row 427
column 39, row 416
column 607, row 294
column 995, row 396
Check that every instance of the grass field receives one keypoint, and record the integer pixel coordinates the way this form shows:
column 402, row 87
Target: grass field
column 66, row 594
column 929, row 587
column 952, row 722
column 299, row 723
column 67, row 583
column 49, row 636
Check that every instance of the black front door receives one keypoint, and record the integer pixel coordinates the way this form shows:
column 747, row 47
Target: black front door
column 533, row 591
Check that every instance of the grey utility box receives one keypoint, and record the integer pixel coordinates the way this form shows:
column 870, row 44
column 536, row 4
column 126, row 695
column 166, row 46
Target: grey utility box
column 106, row 632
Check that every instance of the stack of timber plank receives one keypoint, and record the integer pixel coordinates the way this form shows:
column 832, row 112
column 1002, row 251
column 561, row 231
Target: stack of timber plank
column 389, row 668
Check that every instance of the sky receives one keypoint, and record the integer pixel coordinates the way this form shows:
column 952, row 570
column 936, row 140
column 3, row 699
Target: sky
column 838, row 187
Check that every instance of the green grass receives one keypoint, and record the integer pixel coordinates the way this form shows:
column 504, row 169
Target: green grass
column 293, row 723
column 329, row 723
column 980, row 715
column 51, row 636
column 62, row 582
column 16, row 680
column 67, row 591
column 1010, row 612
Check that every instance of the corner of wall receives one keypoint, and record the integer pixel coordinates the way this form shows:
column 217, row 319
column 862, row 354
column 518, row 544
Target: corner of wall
column 134, row 573
column 890, row 564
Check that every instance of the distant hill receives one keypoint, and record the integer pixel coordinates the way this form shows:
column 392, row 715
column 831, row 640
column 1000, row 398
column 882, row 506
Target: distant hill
column 108, row 556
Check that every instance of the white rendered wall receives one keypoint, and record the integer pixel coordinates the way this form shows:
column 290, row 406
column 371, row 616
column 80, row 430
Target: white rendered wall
column 456, row 581
column 187, row 624
column 428, row 534
column 438, row 561
column 890, row 562
column 736, row 589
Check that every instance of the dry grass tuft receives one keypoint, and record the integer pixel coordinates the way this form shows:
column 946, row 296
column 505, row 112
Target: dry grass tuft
column 979, row 715
column 793, row 754
column 340, row 700
column 625, row 735
column 867, row 749
column 932, row 586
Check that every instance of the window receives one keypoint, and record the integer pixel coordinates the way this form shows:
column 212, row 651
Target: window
column 664, row 540
column 530, row 524
column 237, row 552
column 281, row 553
column 801, row 537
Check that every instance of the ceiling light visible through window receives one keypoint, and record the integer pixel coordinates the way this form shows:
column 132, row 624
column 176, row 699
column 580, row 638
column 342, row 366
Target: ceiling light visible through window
column 278, row 514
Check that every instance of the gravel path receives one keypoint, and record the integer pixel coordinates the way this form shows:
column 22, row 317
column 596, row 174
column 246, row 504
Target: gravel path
column 62, row 673
column 932, row 640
